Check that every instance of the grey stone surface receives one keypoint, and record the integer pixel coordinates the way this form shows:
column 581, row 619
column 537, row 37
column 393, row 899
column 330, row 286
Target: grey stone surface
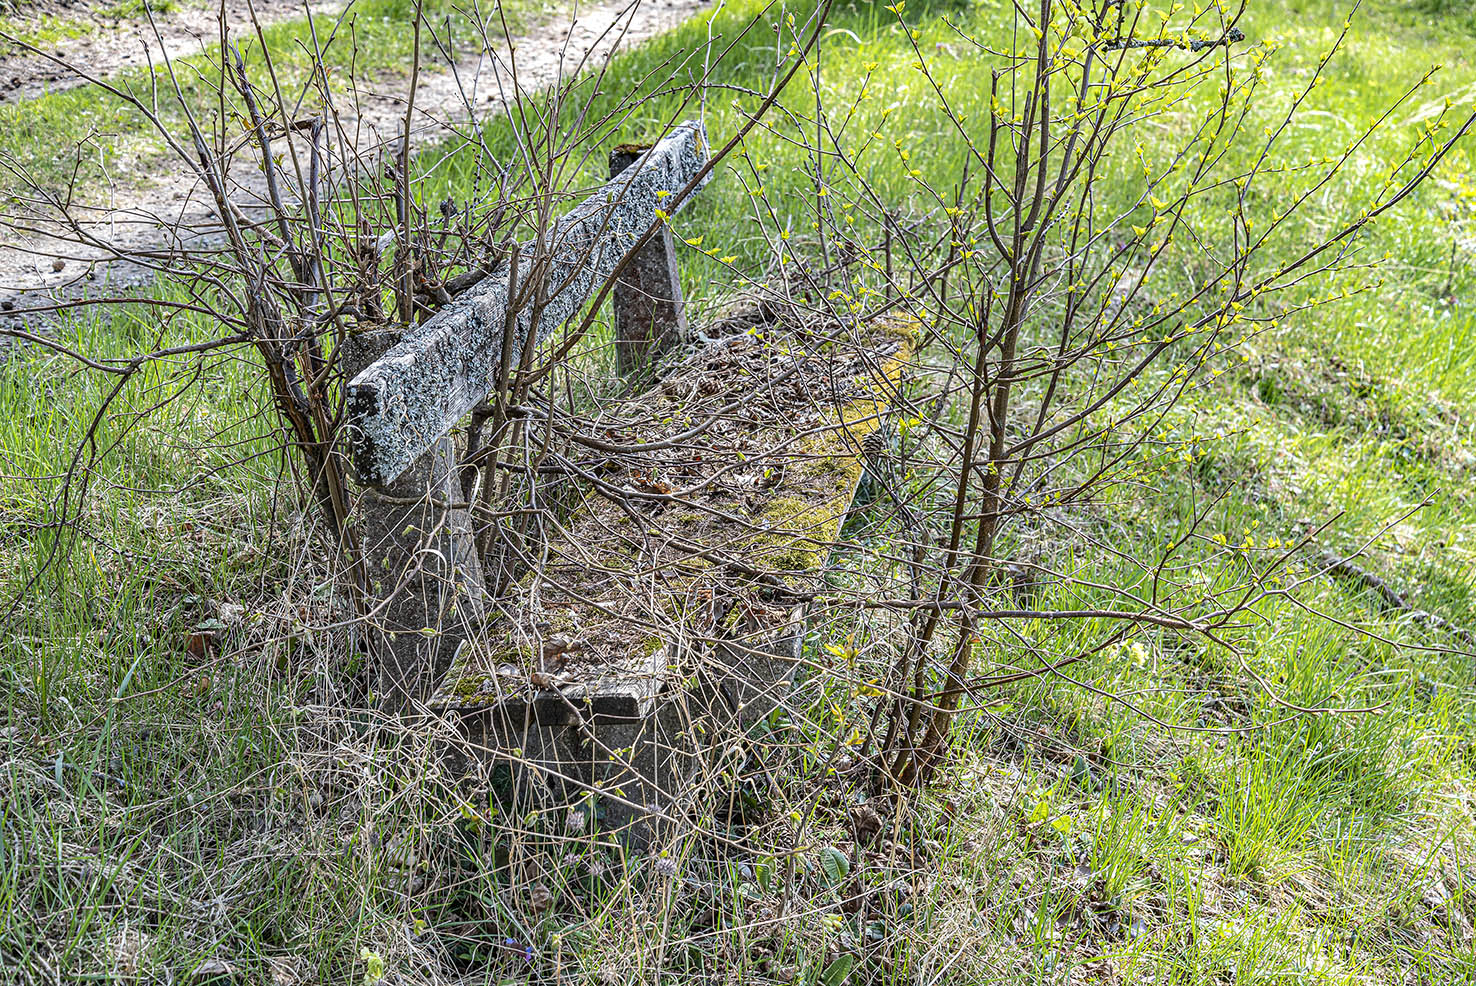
column 547, row 762
column 644, row 772
column 424, row 575
column 649, row 311
column 757, row 673
column 405, row 402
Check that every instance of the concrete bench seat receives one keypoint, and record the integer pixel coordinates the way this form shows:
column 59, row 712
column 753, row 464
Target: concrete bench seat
column 710, row 505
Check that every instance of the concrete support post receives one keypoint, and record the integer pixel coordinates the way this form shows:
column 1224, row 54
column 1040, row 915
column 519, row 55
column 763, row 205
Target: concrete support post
column 420, row 554
column 650, row 313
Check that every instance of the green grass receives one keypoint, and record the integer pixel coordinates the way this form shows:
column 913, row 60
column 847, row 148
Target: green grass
column 125, row 9
column 54, row 28
column 41, row 34
column 1281, row 848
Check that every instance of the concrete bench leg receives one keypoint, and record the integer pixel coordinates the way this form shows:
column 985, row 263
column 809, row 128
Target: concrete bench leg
column 646, row 773
column 544, row 761
column 650, row 313
column 758, row 674
column 420, row 556
column 640, row 772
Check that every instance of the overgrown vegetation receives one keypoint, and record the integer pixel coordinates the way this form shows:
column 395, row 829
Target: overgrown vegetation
column 183, row 789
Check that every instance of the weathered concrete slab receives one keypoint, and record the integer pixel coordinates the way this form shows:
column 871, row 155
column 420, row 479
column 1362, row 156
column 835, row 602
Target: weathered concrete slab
column 718, row 528
column 404, row 403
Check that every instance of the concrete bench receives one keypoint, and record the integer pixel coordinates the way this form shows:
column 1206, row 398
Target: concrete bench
column 407, row 389
column 668, row 613
column 668, row 609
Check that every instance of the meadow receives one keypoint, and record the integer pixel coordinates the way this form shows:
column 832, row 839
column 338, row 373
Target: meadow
column 176, row 800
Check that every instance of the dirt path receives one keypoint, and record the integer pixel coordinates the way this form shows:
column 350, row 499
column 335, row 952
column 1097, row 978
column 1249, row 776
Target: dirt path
column 118, row 45
column 37, row 265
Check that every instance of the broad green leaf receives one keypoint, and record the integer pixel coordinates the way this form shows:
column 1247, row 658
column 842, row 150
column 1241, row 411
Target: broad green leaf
column 834, row 863
column 838, row 971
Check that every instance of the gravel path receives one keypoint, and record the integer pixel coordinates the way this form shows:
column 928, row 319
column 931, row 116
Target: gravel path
column 117, row 45
column 170, row 210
